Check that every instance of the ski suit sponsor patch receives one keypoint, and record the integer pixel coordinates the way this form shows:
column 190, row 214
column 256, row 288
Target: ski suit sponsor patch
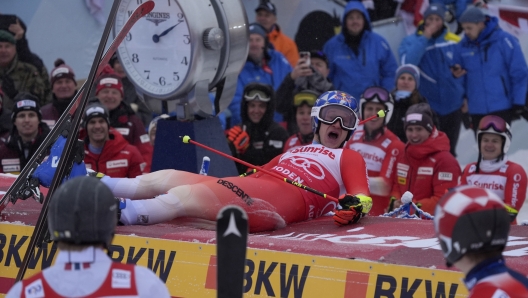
column 446, row 176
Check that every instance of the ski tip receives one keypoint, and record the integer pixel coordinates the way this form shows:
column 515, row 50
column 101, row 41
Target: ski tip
column 186, row 139
column 148, row 6
column 231, row 209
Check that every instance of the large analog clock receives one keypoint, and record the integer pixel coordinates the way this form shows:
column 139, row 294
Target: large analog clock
column 183, row 49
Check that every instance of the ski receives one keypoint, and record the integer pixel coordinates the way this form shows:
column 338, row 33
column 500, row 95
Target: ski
column 231, row 245
column 68, row 153
column 20, row 188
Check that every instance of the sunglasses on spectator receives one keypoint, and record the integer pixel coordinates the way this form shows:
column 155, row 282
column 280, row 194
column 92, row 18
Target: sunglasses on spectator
column 257, row 95
column 329, row 114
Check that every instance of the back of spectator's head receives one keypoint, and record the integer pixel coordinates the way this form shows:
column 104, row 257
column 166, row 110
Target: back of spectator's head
column 267, row 6
column 61, row 70
column 6, row 36
column 25, row 102
column 94, row 110
column 410, row 69
column 437, row 9
column 109, row 80
column 472, row 15
column 419, row 114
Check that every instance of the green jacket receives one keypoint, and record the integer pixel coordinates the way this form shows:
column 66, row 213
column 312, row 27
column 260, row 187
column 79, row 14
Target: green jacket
column 26, row 78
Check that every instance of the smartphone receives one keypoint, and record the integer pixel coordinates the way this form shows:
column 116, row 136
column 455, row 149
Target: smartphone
column 6, row 20
column 306, row 57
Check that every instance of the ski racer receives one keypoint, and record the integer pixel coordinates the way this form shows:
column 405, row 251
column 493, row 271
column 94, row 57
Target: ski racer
column 472, row 226
column 82, row 217
column 493, row 170
column 270, row 203
column 378, row 145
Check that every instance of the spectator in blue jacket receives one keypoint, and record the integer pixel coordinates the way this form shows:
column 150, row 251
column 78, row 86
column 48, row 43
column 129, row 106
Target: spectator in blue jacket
column 432, row 48
column 358, row 57
column 264, row 65
column 493, row 67
column 459, row 6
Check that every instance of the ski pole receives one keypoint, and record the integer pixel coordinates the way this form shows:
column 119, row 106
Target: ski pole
column 204, row 170
column 379, row 114
column 187, row 139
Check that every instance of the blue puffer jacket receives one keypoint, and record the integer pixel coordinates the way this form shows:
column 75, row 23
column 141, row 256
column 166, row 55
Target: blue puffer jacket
column 497, row 75
column 433, row 56
column 255, row 73
column 375, row 64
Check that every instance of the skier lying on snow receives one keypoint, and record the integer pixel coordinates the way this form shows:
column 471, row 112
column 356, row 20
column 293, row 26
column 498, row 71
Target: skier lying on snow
column 269, row 202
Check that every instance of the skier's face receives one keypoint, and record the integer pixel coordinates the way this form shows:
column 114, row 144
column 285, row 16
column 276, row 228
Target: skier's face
column 256, row 110
column 406, row 82
column 355, row 22
column 64, row 88
column 331, row 136
column 490, row 146
column 27, row 123
column 97, row 129
column 7, row 53
column 110, row 98
column 416, row 134
column 304, row 119
column 370, row 109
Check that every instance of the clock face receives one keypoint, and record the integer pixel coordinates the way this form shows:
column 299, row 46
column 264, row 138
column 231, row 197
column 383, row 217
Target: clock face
column 156, row 53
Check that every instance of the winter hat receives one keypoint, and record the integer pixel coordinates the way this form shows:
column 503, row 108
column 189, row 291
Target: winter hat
column 419, row 114
column 410, row 69
column 319, row 54
column 267, row 6
column 60, row 71
column 96, row 110
column 256, row 28
column 25, row 102
column 472, row 15
column 109, row 81
column 6, row 36
column 436, row 9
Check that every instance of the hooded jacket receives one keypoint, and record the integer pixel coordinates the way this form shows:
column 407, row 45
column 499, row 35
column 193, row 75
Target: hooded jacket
column 284, row 44
column 252, row 72
column 12, row 152
column 374, row 65
column 427, row 170
column 434, row 56
column 267, row 138
column 497, row 75
column 118, row 158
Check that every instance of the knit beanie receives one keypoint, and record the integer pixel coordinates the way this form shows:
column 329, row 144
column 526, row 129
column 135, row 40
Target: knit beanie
column 25, row 102
column 437, row 9
column 419, row 114
column 472, row 15
column 109, row 81
column 256, row 28
column 60, row 71
column 410, row 69
column 96, row 110
column 6, row 36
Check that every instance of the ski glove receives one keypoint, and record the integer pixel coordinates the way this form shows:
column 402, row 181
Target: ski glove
column 239, row 138
column 353, row 208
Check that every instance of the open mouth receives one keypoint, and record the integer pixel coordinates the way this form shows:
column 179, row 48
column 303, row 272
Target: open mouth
column 333, row 135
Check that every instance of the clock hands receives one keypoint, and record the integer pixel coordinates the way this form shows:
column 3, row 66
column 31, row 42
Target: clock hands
column 156, row 37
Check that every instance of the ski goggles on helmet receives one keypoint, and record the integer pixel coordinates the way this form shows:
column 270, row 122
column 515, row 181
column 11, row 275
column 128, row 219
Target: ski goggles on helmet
column 495, row 122
column 329, row 114
column 304, row 97
column 376, row 92
column 256, row 95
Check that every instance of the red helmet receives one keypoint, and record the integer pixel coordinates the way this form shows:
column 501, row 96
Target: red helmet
column 470, row 218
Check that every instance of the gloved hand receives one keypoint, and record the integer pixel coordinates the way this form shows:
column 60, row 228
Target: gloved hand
column 353, row 208
column 8, row 86
column 239, row 138
column 512, row 212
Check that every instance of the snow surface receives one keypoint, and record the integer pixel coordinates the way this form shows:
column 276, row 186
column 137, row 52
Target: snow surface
column 467, row 152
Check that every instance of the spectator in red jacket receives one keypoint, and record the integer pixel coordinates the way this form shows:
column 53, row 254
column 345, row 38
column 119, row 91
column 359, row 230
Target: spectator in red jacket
column 379, row 147
column 109, row 91
column 493, row 170
column 105, row 150
column 427, row 169
column 26, row 135
column 63, row 88
column 303, row 102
